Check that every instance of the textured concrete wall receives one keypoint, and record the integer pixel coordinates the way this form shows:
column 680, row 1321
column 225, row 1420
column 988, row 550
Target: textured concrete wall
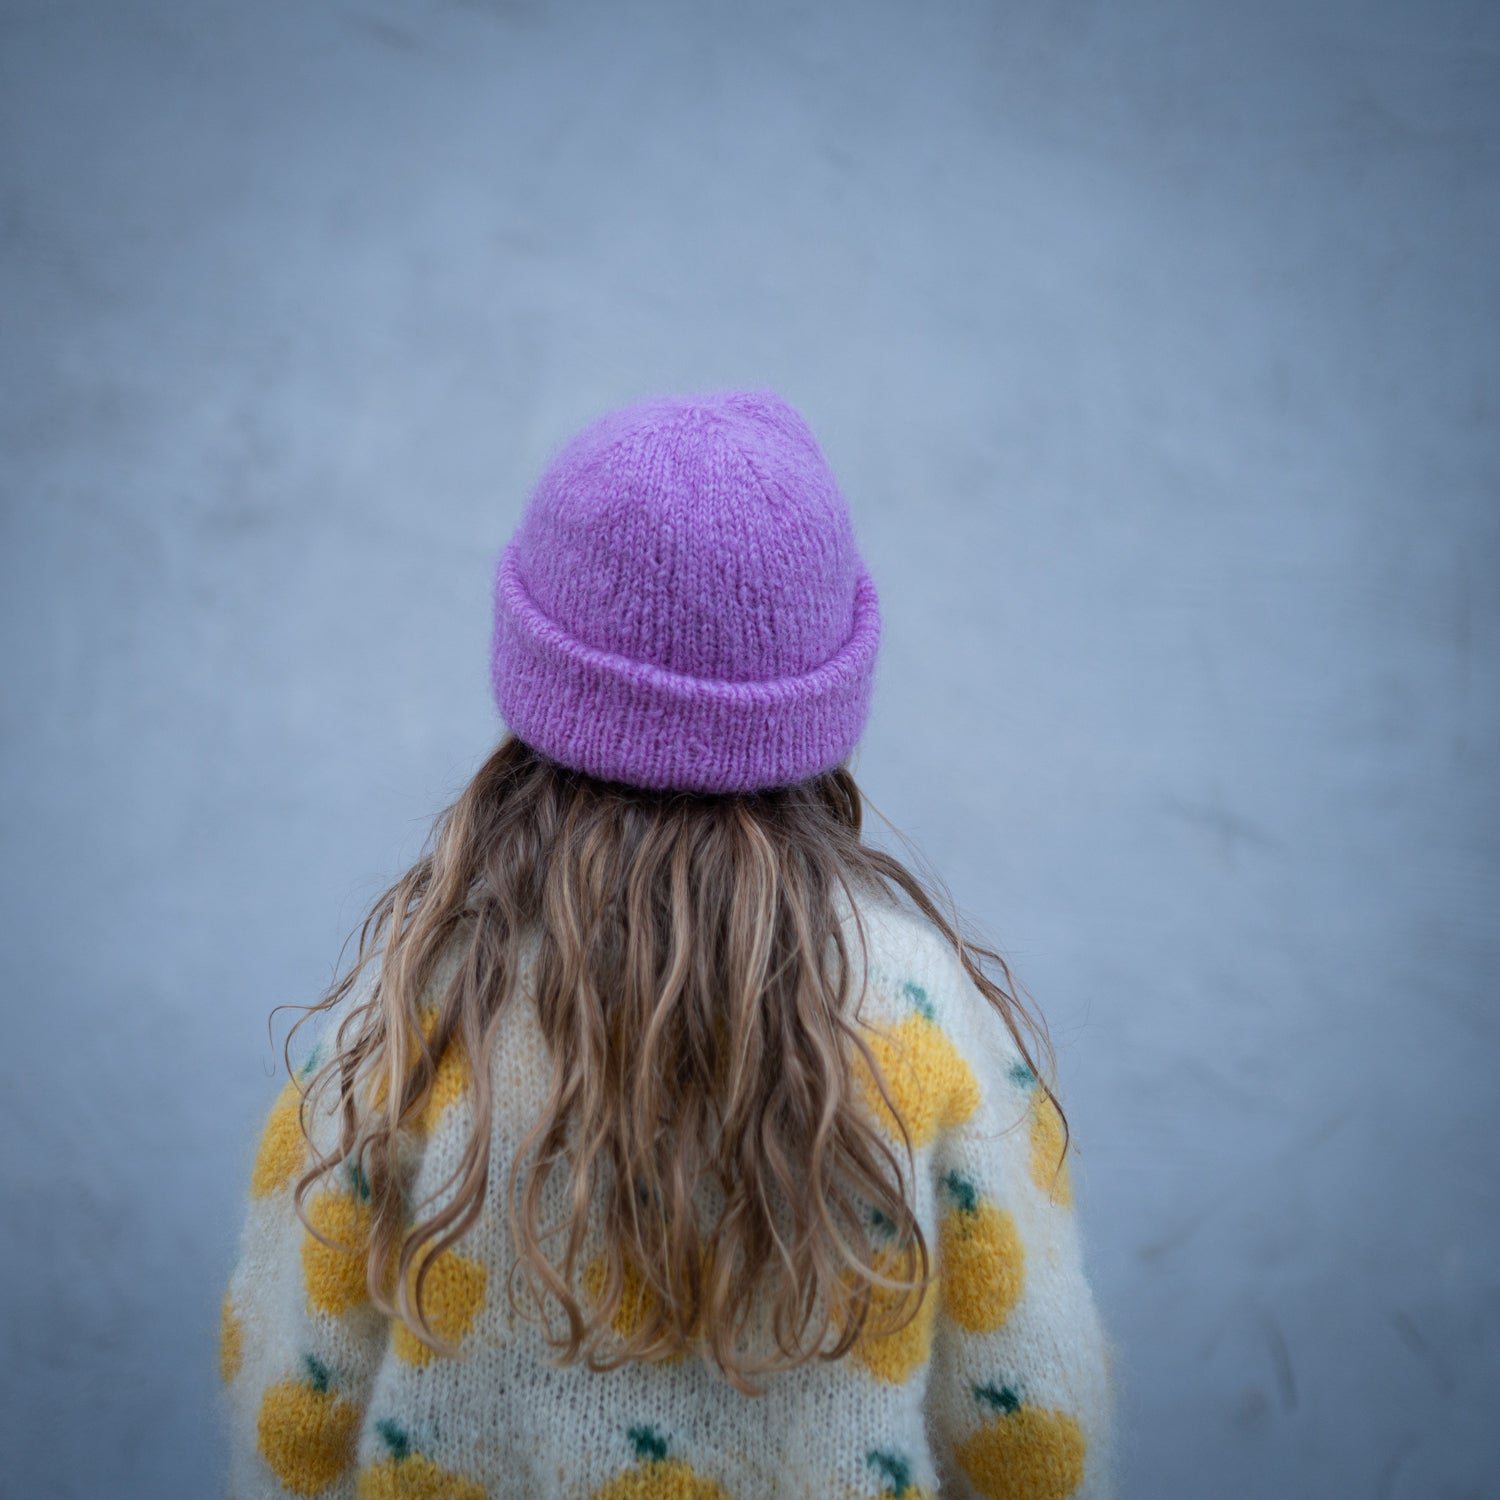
column 1155, row 346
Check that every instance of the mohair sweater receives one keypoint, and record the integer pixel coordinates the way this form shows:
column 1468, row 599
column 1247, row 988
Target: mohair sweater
column 999, row 1387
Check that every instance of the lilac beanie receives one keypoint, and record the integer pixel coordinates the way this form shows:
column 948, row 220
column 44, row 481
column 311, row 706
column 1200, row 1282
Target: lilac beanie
column 683, row 604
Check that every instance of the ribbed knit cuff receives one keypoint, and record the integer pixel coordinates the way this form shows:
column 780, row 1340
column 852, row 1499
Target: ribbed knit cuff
column 635, row 722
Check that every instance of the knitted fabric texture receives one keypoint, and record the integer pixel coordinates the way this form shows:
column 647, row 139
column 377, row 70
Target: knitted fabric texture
column 999, row 1387
column 683, row 604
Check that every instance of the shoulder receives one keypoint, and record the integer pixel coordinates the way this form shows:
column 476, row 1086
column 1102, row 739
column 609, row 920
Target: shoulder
column 911, row 964
column 946, row 1055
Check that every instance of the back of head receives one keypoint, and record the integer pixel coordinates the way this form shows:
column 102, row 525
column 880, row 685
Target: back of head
column 664, row 857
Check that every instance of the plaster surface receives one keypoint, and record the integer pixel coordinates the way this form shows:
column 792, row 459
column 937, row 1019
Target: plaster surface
column 1154, row 346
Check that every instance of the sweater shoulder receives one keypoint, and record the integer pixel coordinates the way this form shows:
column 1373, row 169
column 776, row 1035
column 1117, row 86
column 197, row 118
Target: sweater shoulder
column 912, row 965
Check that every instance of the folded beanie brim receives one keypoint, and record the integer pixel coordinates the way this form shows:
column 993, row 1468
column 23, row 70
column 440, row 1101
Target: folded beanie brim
column 638, row 722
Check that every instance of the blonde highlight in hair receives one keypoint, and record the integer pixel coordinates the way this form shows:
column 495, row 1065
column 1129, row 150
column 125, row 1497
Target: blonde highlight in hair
column 692, row 980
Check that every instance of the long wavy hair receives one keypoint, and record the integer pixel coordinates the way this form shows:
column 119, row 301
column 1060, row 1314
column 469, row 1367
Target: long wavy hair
column 692, row 981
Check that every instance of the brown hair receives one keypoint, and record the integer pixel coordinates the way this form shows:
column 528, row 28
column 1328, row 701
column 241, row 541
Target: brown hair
column 695, row 1036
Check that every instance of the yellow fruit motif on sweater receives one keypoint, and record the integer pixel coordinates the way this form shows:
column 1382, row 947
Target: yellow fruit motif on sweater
column 409, row 1475
column 982, row 1256
column 1023, row 1452
column 335, row 1277
column 895, row 1357
column 450, row 1081
column 449, row 1084
column 282, row 1148
column 638, row 1302
column 1049, row 1168
column 452, row 1296
column 930, row 1084
column 306, row 1431
column 1047, row 1151
column 670, row 1479
column 657, row 1477
column 231, row 1341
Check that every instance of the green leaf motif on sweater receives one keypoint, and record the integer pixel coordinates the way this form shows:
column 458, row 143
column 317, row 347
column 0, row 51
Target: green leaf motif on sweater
column 894, row 1469
column 317, row 1372
column 357, row 1179
column 395, row 1437
column 963, row 1192
column 918, row 997
column 1000, row 1398
column 648, row 1443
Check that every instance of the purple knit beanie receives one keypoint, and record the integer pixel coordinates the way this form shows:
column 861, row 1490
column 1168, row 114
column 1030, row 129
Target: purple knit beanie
column 683, row 604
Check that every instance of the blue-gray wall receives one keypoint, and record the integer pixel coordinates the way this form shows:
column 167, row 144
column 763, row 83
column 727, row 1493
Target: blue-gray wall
column 1156, row 347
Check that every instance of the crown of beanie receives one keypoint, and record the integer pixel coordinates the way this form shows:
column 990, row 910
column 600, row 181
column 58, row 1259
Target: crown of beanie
column 683, row 604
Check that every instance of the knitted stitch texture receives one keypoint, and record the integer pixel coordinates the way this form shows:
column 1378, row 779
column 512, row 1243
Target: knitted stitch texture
column 683, row 604
column 999, row 1388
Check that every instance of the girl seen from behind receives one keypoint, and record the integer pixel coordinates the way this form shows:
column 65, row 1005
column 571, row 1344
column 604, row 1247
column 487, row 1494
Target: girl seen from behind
column 664, row 1138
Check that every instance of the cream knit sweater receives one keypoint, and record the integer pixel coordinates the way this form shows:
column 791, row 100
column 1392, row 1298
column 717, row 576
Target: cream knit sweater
column 999, row 1387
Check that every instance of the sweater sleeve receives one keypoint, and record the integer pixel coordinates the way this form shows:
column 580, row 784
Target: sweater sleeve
column 1019, row 1398
column 300, row 1342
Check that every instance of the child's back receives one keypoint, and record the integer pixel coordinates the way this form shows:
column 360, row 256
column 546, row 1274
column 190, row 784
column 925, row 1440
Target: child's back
column 696, row 1167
